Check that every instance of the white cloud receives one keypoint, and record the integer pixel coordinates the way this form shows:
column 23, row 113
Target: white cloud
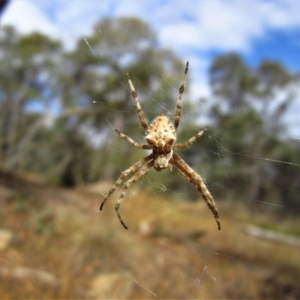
column 230, row 25
column 26, row 17
column 190, row 28
column 217, row 24
column 281, row 14
column 57, row 19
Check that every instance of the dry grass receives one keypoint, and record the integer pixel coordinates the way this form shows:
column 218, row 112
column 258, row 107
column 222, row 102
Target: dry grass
column 171, row 250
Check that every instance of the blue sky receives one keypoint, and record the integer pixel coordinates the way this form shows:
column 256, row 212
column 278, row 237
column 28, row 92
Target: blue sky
column 195, row 30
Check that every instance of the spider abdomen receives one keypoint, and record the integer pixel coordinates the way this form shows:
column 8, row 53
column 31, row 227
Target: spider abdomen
column 161, row 133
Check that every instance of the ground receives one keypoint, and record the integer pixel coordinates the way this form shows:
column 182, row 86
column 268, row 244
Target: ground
column 172, row 249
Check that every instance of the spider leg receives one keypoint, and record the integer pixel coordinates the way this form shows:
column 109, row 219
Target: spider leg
column 189, row 141
column 179, row 101
column 131, row 141
column 127, row 184
column 196, row 179
column 124, row 174
column 137, row 104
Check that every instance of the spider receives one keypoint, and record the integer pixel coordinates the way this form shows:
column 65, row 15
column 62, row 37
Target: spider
column 161, row 136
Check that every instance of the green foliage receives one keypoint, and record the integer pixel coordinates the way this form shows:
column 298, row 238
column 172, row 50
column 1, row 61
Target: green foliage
column 231, row 79
column 253, row 163
column 82, row 95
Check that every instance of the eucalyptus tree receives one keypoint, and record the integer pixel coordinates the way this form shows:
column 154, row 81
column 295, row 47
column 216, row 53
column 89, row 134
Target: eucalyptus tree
column 95, row 93
column 249, row 135
column 27, row 76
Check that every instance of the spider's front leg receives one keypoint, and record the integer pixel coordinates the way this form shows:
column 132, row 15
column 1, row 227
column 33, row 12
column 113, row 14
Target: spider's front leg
column 196, row 179
column 124, row 174
column 126, row 186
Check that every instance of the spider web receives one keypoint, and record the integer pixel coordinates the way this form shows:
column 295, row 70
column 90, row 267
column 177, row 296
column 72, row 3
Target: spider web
column 183, row 253
column 203, row 279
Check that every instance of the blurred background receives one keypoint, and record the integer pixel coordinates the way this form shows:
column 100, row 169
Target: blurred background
column 63, row 92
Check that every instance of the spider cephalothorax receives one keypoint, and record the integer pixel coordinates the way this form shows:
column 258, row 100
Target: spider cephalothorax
column 161, row 136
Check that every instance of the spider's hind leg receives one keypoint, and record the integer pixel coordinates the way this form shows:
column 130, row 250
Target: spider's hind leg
column 189, row 141
column 179, row 101
column 131, row 141
column 137, row 104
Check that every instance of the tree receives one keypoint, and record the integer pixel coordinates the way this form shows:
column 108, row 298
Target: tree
column 27, row 79
column 256, row 99
column 87, row 91
column 232, row 81
column 94, row 77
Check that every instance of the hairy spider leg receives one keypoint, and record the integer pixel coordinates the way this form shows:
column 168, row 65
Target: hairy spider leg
column 131, row 141
column 179, row 101
column 189, row 141
column 137, row 104
column 127, row 184
column 197, row 180
column 124, row 174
